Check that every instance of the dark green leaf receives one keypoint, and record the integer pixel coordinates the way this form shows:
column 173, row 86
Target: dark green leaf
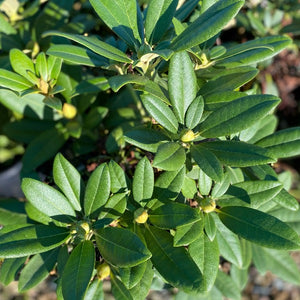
column 114, row 207
column 174, row 264
column 131, row 276
column 182, row 84
column 119, row 290
column 117, row 177
column 97, row 190
column 78, row 271
column 259, row 227
column 32, row 239
column 117, row 82
column 94, row 291
column 121, row 247
column 194, row 112
column 9, row 269
column 204, row 183
column 173, row 214
column 68, row 179
column 207, row 25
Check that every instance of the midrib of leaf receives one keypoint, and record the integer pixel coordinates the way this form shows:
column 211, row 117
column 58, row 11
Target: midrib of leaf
column 77, row 272
column 15, row 80
column 255, row 226
column 170, row 157
column 238, row 259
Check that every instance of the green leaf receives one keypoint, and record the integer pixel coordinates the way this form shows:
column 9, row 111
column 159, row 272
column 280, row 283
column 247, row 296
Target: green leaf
column 77, row 55
column 13, row 81
column 78, row 271
column 9, row 269
column 121, row 247
column 228, row 82
column 182, row 84
column 131, row 276
column 205, row 254
column 114, row 207
column 239, row 276
column 282, row 144
column 194, row 113
column 158, row 19
column 37, row 269
column 41, row 66
column 54, row 67
column 221, row 187
column 117, row 82
column 170, row 156
column 143, row 182
column 210, row 226
column 204, row 183
column 94, row 291
column 145, row 138
column 160, row 112
column 229, row 243
column 188, row 233
column 32, row 239
column 278, row 262
column 186, row 9
column 118, row 289
column 207, row 161
column 167, row 186
column 259, row 227
column 90, row 86
column 254, row 51
column 68, row 179
column 12, row 212
column 284, row 199
column 22, row 65
column 141, row 289
column 48, row 200
column 237, row 115
column 250, row 193
column 53, row 102
column 97, row 190
column 174, row 264
column 95, row 44
column 117, row 178
column 189, row 188
column 227, row 286
column 207, row 25
column 238, row 154
column 172, row 215
column 42, row 148
column 120, row 17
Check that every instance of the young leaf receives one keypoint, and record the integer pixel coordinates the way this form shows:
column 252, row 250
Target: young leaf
column 278, row 262
column 78, row 271
column 97, row 190
column 221, row 187
column 205, row 254
column 237, row 115
column 9, row 269
column 54, row 67
column 96, row 45
column 48, row 200
column 189, row 188
column 121, row 247
column 229, row 243
column 259, row 227
column 282, row 144
column 121, row 17
column 207, row 25
column 143, row 182
column 204, row 183
column 41, row 66
column 114, row 207
column 23, row 65
column 238, row 154
column 68, row 179
column 194, row 113
column 186, row 234
column 117, row 177
column 253, row 51
column 160, row 112
column 207, row 161
column 173, row 214
column 31, row 239
column 174, row 264
column 13, row 81
column 131, row 276
column 37, row 269
column 158, row 19
column 170, row 156
column 182, row 84
column 77, row 55
column 250, row 193
column 210, row 226
column 145, row 138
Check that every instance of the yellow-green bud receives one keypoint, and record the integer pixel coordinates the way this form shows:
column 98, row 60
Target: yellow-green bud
column 103, row 271
column 207, row 205
column 188, row 136
column 69, row 111
column 141, row 216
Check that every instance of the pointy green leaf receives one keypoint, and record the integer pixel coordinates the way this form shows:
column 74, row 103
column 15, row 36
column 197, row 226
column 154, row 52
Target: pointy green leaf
column 9, row 269
column 97, row 190
column 210, row 226
column 118, row 289
column 227, row 286
column 32, row 239
column 117, row 177
column 207, row 25
column 114, row 207
column 118, row 81
column 41, row 66
column 121, row 247
column 131, row 276
column 13, row 81
column 259, row 227
column 182, row 84
column 194, row 112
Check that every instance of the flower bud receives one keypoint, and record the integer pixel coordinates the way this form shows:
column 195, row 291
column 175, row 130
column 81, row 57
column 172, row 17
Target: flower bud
column 141, row 216
column 69, row 111
column 207, row 205
column 188, row 136
column 103, row 271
